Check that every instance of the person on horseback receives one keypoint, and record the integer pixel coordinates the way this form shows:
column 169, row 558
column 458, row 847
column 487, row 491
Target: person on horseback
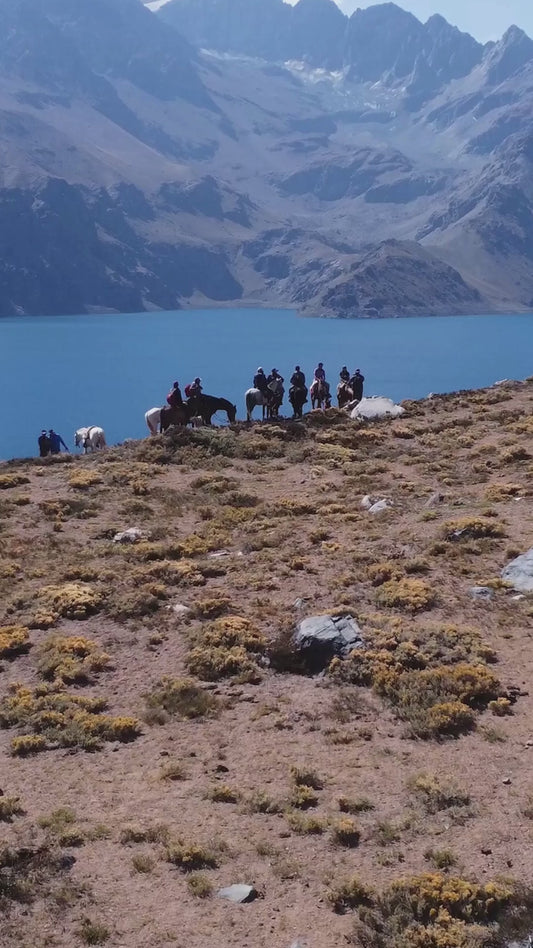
column 356, row 384
column 344, row 375
column 298, row 378
column 260, row 381
column 275, row 377
column 320, row 373
column 275, row 386
column 174, row 398
column 194, row 390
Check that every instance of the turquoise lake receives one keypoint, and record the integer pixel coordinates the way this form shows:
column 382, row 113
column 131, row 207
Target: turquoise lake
column 65, row 372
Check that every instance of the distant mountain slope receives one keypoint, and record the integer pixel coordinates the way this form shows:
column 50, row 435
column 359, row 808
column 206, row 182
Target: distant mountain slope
column 367, row 165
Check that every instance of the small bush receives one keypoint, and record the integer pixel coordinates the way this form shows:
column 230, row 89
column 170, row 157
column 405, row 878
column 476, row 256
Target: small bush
column 346, row 832
column 211, row 608
column 303, row 797
column 380, row 573
column 359, row 805
column 212, row 664
column 411, row 595
column 93, row 933
column 199, row 886
column 12, row 480
column 261, row 802
column 71, row 600
column 14, row 640
column 436, row 795
column 83, row 480
column 306, row 825
column 501, row 708
column 71, row 660
column 142, row 863
column 474, row 528
column 10, row 807
column 302, row 777
column 172, row 771
column 350, row 895
column 442, row 859
column 189, row 856
column 233, row 631
column 27, row 745
column 182, row 698
column 221, row 793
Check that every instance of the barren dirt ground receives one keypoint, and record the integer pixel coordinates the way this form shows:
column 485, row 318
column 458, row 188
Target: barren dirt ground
column 94, row 836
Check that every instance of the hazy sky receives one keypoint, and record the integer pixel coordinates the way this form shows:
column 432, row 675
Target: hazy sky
column 484, row 19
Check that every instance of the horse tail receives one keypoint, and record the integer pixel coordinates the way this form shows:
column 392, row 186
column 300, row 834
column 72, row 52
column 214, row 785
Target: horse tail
column 250, row 404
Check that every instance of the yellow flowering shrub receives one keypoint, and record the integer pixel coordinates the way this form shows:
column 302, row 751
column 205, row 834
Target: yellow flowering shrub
column 14, row 640
column 71, row 659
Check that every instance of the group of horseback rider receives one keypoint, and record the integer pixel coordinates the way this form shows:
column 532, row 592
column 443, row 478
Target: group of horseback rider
column 192, row 391
column 350, row 388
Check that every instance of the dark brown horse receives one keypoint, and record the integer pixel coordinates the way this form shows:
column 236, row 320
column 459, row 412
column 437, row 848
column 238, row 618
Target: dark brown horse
column 207, row 405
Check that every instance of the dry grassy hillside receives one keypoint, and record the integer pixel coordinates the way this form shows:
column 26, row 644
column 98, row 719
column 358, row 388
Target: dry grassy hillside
column 151, row 755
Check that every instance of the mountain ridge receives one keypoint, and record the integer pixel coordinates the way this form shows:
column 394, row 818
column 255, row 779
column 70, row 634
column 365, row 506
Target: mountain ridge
column 222, row 176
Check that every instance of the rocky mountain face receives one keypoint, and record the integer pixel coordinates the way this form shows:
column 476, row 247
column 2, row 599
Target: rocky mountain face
column 174, row 154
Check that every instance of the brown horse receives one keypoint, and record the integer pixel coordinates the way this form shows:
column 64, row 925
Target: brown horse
column 344, row 394
column 179, row 417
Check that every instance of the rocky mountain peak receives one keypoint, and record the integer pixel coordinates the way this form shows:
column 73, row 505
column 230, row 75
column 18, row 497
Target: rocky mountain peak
column 512, row 53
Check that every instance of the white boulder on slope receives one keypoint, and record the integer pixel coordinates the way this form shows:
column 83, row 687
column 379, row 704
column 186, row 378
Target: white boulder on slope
column 377, row 406
column 519, row 572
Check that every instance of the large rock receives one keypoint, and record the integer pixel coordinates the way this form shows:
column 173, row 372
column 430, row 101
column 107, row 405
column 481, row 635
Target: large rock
column 321, row 638
column 238, row 893
column 519, row 572
column 131, row 535
column 377, row 407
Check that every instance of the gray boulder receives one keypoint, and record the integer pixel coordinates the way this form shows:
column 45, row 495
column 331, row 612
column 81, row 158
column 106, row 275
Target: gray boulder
column 321, row 638
column 519, row 572
column 238, row 893
column 132, row 535
column 483, row 593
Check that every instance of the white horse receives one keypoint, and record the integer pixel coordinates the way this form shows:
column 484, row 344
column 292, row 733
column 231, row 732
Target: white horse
column 91, row 437
column 153, row 419
column 255, row 397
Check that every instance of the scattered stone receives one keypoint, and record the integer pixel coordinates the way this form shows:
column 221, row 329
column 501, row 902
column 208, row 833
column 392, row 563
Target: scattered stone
column 179, row 609
column 131, row 535
column 220, row 553
column 298, row 944
column 434, row 500
column 482, row 592
column 486, row 851
column 507, row 781
column 518, row 598
column 299, row 604
column 238, row 893
column 367, row 502
column 321, row 638
column 519, row 572
column 380, row 506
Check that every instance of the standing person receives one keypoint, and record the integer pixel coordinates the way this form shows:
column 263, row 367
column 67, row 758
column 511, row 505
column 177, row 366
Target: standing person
column 356, row 384
column 44, row 444
column 174, row 398
column 56, row 442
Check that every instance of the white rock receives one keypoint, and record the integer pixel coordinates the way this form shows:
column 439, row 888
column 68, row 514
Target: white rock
column 481, row 592
column 179, row 609
column 131, row 535
column 238, row 893
column 377, row 407
column 367, row 502
column 519, row 572
column 380, row 506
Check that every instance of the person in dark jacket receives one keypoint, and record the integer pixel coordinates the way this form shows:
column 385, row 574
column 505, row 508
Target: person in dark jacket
column 356, row 384
column 298, row 378
column 174, row 397
column 344, row 375
column 260, row 381
column 56, row 442
column 44, row 444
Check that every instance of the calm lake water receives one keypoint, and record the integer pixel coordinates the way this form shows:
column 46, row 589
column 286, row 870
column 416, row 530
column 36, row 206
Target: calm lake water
column 64, row 372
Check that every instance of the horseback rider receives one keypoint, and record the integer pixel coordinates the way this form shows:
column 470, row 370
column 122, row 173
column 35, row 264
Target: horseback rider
column 298, row 378
column 344, row 375
column 356, row 384
column 320, row 373
column 194, row 390
column 275, row 377
column 275, row 386
column 260, row 381
column 174, row 397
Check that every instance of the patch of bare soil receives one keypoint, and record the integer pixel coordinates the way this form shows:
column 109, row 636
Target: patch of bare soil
column 150, row 756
